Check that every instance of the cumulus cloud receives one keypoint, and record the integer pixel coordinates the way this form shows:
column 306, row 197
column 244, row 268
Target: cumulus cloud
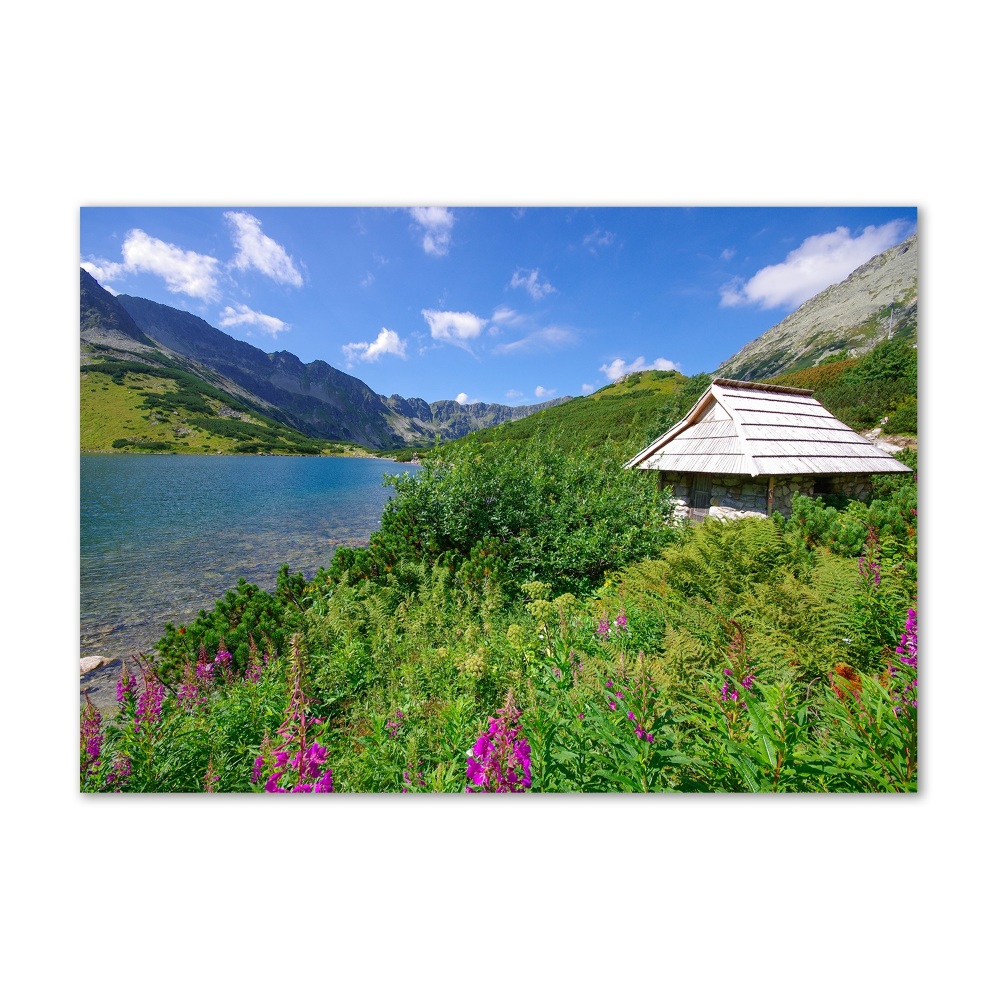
column 514, row 394
column 457, row 328
column 183, row 271
column 387, row 342
column 820, row 261
column 618, row 367
column 436, row 224
column 245, row 316
column 586, row 388
column 541, row 392
column 103, row 271
column 465, row 399
column 260, row 252
column 530, row 282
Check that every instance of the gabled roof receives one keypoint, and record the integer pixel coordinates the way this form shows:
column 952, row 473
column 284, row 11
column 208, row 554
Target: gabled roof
column 753, row 429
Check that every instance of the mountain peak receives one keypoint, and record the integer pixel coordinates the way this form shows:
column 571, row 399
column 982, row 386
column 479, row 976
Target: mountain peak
column 852, row 315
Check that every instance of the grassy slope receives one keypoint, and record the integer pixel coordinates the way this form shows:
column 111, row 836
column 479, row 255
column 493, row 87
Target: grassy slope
column 621, row 413
column 111, row 411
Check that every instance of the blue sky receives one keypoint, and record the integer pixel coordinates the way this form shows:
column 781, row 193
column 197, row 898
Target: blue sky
column 493, row 304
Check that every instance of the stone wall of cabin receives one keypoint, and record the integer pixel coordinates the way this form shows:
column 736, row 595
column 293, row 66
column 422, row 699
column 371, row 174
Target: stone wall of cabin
column 746, row 496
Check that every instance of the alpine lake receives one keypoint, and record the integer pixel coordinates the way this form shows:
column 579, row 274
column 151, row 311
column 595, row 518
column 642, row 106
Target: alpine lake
column 163, row 536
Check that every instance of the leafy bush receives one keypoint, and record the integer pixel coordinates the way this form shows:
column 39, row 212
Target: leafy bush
column 544, row 512
column 245, row 616
column 903, row 420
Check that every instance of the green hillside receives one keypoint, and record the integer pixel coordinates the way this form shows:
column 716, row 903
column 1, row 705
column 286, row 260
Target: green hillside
column 128, row 406
column 623, row 413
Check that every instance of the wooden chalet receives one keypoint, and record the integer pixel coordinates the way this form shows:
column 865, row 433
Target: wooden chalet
column 746, row 448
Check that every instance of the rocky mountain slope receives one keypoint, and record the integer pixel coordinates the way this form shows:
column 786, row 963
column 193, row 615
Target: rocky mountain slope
column 851, row 316
column 314, row 399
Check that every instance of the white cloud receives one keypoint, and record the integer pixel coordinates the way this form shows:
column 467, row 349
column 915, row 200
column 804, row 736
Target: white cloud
column 260, row 252
column 183, row 271
column 728, row 254
column 586, row 388
column 465, row 399
column 541, row 392
column 103, row 272
column 514, row 394
column 820, row 261
column 387, row 342
column 543, row 339
column 245, row 316
column 456, row 328
column 528, row 280
column 598, row 239
column 368, row 280
column 436, row 224
column 618, row 367
column 504, row 315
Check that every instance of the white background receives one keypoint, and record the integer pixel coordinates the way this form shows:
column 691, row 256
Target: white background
column 544, row 104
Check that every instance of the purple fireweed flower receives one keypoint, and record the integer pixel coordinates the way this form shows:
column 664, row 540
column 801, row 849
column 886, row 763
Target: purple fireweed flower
column 393, row 725
column 271, row 785
column 747, row 681
column 612, row 706
column 294, row 765
column 631, row 716
column 408, row 784
column 907, row 648
column 906, row 653
column 621, row 621
column 603, row 627
column 90, row 736
column 119, row 774
column 870, row 571
column 149, row 706
column 499, row 754
column 254, row 669
column 475, row 772
column 126, row 684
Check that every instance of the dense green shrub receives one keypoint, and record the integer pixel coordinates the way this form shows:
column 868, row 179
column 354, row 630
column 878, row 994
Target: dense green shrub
column 903, row 420
column 544, row 511
column 245, row 616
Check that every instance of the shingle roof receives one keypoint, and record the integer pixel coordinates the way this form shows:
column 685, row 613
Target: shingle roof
column 753, row 429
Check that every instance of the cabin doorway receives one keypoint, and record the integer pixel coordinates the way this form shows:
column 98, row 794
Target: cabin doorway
column 701, row 496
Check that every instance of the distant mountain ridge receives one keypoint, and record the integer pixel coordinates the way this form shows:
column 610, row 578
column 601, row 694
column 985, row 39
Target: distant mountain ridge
column 315, row 398
column 851, row 316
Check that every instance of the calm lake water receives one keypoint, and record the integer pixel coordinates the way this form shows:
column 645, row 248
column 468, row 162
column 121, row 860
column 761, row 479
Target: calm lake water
column 162, row 536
